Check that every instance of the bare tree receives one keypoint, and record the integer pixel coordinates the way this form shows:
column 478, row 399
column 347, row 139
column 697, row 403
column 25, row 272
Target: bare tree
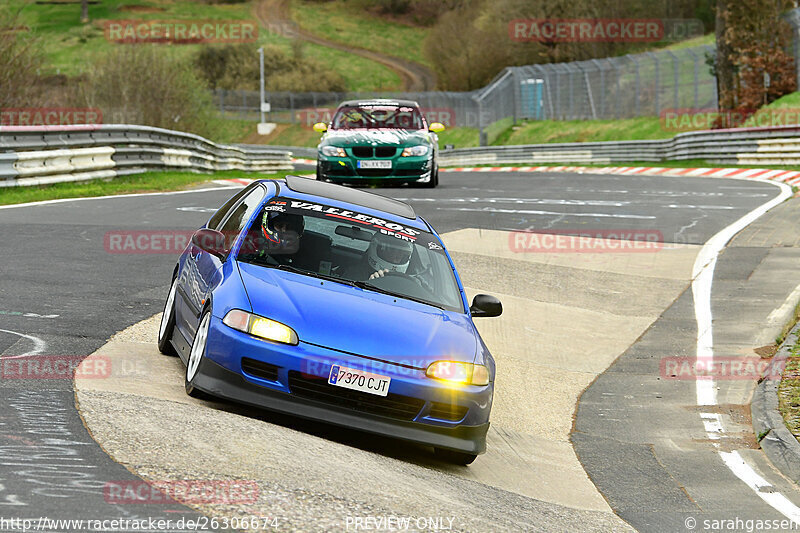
column 724, row 64
column 84, row 11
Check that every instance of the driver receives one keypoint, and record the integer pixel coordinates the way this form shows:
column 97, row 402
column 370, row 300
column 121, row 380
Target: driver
column 281, row 234
column 385, row 254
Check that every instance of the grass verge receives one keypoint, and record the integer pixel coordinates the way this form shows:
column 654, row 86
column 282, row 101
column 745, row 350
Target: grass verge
column 346, row 23
column 139, row 183
column 789, row 392
column 565, row 131
column 70, row 46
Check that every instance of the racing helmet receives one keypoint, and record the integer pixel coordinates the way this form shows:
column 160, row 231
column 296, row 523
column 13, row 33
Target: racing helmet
column 282, row 229
column 389, row 253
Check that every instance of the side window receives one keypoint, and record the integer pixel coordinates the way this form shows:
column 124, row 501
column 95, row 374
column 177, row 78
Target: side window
column 240, row 215
column 215, row 220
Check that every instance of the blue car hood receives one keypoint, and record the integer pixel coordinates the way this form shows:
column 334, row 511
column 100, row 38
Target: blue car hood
column 357, row 321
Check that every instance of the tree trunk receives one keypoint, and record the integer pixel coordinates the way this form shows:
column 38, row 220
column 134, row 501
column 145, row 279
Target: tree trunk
column 726, row 78
column 84, row 11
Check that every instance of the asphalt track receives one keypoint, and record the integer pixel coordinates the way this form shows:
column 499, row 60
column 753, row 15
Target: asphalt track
column 76, row 295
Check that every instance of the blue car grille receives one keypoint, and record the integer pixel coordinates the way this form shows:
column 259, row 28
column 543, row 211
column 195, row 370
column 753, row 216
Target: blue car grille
column 446, row 411
column 392, row 406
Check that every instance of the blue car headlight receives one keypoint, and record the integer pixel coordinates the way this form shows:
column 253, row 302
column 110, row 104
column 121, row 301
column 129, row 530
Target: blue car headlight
column 415, row 151
column 333, row 151
column 458, row 373
column 259, row 326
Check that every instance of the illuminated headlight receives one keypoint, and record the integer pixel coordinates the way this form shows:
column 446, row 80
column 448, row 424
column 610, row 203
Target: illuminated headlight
column 415, row 151
column 458, row 373
column 258, row 326
column 333, row 151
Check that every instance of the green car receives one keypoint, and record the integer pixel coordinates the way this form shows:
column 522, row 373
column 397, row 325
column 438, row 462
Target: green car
column 379, row 142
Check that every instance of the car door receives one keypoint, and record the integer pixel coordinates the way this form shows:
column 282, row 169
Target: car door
column 201, row 271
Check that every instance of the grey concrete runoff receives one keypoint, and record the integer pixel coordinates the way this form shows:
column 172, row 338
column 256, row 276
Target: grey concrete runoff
column 781, row 447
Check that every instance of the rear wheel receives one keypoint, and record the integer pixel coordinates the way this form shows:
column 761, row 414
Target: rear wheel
column 454, row 457
column 167, row 326
column 196, row 355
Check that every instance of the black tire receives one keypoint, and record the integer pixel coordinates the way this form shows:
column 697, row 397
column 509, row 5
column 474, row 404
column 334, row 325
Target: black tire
column 196, row 355
column 434, row 181
column 167, row 327
column 454, row 457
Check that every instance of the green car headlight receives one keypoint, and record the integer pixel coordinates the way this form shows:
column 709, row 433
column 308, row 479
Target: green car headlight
column 416, row 151
column 333, row 151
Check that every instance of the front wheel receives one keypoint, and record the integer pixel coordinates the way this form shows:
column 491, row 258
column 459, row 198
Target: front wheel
column 454, row 457
column 434, row 181
column 167, row 327
column 196, row 355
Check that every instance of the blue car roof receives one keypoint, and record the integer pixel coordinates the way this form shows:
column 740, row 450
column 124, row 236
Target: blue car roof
column 353, row 199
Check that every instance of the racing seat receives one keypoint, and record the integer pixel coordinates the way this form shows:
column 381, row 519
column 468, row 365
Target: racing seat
column 314, row 248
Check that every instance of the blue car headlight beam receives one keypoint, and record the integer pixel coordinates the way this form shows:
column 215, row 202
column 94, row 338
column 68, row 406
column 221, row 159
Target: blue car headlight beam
column 259, row 326
column 458, row 373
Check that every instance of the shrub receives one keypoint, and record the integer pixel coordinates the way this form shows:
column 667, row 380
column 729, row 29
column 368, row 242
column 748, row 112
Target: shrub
column 236, row 67
column 147, row 85
column 20, row 59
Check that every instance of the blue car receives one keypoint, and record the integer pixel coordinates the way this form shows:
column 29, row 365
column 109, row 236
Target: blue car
column 336, row 305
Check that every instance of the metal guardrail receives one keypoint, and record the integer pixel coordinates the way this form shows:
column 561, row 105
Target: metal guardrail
column 745, row 146
column 38, row 155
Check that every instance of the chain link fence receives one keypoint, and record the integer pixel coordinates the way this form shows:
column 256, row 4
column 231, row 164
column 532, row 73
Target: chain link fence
column 634, row 85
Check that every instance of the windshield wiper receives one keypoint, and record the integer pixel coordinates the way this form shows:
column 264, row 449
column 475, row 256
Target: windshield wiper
column 371, row 287
column 290, row 268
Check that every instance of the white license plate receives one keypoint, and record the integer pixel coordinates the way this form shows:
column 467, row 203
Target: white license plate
column 375, row 164
column 350, row 378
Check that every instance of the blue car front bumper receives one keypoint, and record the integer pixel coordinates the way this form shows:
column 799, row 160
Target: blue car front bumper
column 293, row 380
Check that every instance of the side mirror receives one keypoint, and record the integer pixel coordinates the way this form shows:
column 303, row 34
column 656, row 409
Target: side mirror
column 484, row 305
column 320, row 127
column 436, row 127
column 211, row 241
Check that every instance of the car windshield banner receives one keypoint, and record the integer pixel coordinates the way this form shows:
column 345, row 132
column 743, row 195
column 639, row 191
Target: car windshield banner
column 360, row 220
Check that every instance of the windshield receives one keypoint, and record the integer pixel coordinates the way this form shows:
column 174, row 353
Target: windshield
column 354, row 248
column 378, row 117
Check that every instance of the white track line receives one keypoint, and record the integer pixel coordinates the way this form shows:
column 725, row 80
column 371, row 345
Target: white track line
column 38, row 344
column 706, row 389
column 137, row 195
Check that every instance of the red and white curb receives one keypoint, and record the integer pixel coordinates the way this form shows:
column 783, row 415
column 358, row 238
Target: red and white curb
column 791, row 177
